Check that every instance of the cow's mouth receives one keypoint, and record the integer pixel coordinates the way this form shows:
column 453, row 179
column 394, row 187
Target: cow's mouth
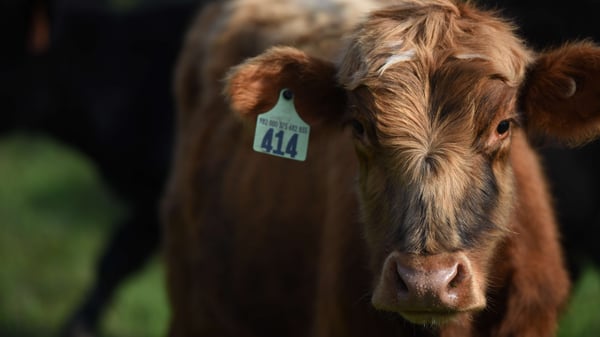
column 430, row 318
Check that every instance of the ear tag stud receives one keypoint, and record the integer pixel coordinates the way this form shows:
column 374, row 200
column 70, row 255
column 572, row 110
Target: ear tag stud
column 281, row 132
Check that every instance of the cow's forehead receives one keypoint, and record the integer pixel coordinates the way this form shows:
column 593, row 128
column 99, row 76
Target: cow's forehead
column 436, row 74
column 423, row 60
column 428, row 33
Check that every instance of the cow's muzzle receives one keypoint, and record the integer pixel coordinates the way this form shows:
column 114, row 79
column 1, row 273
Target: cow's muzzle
column 428, row 289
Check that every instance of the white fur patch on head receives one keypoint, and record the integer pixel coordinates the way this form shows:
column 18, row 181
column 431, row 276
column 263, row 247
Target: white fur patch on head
column 402, row 56
column 468, row 56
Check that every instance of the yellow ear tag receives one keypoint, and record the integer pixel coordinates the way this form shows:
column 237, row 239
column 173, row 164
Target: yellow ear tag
column 281, row 132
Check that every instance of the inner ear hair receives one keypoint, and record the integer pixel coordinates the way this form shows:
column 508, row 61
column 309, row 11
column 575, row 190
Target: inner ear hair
column 254, row 86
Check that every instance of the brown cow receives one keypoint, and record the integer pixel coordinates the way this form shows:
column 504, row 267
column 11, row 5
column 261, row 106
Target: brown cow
column 420, row 210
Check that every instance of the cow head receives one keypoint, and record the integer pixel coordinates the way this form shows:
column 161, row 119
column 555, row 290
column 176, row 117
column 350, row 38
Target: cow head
column 435, row 93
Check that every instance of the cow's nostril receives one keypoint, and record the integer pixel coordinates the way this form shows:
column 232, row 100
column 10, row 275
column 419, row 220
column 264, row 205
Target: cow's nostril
column 459, row 276
column 402, row 287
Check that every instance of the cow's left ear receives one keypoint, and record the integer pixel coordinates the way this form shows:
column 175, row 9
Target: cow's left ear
column 561, row 94
column 253, row 87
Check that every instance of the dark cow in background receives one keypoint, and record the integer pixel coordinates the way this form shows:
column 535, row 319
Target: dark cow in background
column 113, row 102
column 421, row 209
column 103, row 85
column 574, row 174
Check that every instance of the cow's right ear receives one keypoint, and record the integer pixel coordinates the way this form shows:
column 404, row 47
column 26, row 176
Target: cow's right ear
column 253, row 87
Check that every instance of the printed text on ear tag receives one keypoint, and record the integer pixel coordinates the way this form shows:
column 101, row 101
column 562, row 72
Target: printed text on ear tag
column 281, row 132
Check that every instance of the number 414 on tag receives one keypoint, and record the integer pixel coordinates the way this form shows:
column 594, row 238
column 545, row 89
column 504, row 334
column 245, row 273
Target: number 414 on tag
column 290, row 148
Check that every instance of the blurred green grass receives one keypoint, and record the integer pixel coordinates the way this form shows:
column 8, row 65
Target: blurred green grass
column 55, row 215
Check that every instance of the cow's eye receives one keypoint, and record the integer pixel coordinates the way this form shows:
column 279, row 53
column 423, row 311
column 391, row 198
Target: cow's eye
column 503, row 127
column 357, row 127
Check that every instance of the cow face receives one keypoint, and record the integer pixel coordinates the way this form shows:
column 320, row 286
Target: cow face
column 434, row 94
column 432, row 116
